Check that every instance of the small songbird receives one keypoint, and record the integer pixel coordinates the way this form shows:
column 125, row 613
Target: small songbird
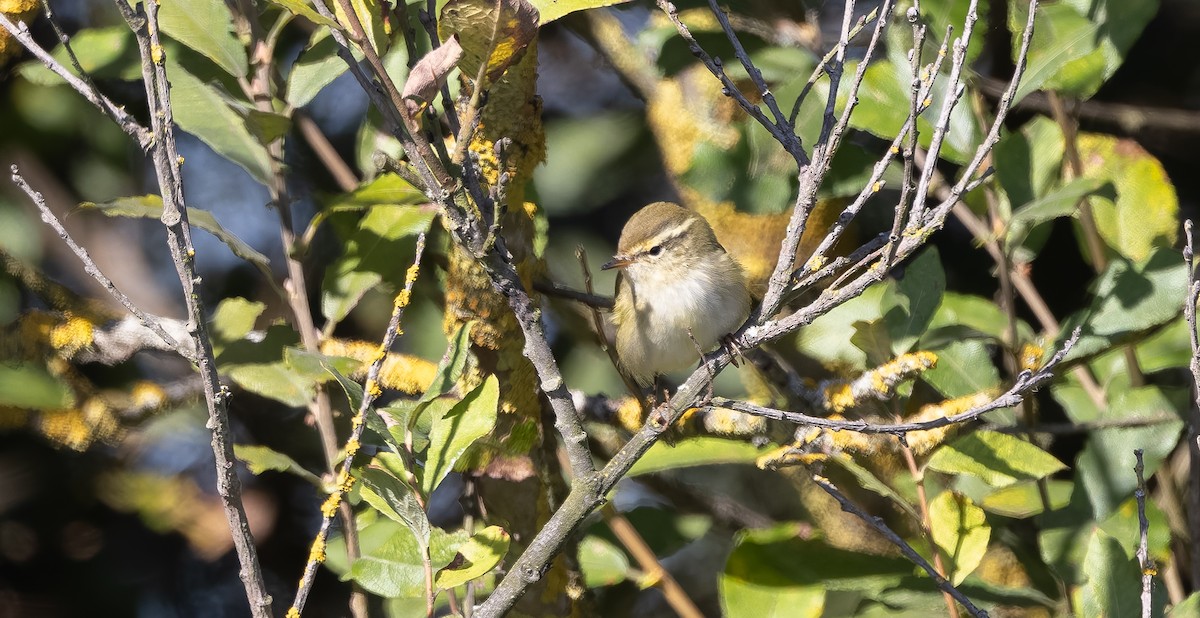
column 677, row 283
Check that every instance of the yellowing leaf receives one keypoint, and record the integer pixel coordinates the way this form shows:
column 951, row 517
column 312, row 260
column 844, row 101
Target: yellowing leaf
column 1145, row 215
column 495, row 33
column 475, row 557
column 960, row 530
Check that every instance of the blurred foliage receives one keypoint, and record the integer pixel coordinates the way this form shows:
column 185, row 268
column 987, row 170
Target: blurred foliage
column 458, row 467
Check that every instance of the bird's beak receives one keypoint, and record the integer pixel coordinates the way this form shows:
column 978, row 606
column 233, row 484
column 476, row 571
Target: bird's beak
column 616, row 262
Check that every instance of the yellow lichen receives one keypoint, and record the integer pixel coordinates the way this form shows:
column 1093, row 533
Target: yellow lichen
column 71, row 335
column 1031, row 356
column 330, row 506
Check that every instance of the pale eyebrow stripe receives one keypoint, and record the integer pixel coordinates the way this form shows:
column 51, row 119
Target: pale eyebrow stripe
column 675, row 232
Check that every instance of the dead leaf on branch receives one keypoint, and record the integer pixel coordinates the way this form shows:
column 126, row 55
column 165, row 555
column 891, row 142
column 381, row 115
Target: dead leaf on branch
column 495, row 32
column 429, row 74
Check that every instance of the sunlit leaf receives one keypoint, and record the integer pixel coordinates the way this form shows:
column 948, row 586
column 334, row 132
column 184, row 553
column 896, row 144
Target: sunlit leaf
column 260, row 459
column 1023, row 499
column 475, row 557
column 302, row 9
column 699, row 451
column 960, row 530
column 910, row 304
column 550, row 10
column 1111, row 581
column 1061, row 202
column 602, row 563
column 203, row 112
column 492, row 33
column 370, row 257
column 234, row 318
column 397, row 501
column 275, row 381
column 1145, row 214
column 206, row 26
column 997, row 458
column 455, row 431
column 105, row 53
column 963, row 368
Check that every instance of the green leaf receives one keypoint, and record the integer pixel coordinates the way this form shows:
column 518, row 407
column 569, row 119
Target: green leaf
column 260, row 459
column 150, row 207
column 1189, row 608
column 392, row 567
column 973, row 312
column 1060, row 36
column 395, row 569
column 886, row 82
column 1145, row 214
column 475, row 558
column 397, row 501
column 24, row 385
column 825, row 339
column 319, row 368
column 1061, row 202
column 1028, row 161
column 1022, row 500
column 274, row 381
column 1128, row 299
column 105, row 53
column 550, row 10
column 1123, row 526
column 206, row 26
column 773, row 572
column 234, row 318
column 370, row 257
column 300, row 8
column 1111, row 581
column 1105, row 465
column 699, row 451
column 317, row 67
column 909, row 305
column 456, row 430
column 963, row 368
column 602, row 563
column 999, row 459
column 960, row 530
column 203, row 111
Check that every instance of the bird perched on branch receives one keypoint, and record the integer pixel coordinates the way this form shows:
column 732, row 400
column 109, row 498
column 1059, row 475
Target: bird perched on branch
column 679, row 292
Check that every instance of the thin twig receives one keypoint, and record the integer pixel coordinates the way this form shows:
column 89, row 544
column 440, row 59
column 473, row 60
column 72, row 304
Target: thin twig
column 370, row 390
column 1189, row 312
column 905, row 548
column 82, row 85
column 1143, row 551
column 93, row 271
column 654, row 571
column 1027, row 381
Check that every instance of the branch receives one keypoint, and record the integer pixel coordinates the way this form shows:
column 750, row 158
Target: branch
column 1026, row 381
column 1189, row 312
column 583, row 499
column 344, row 481
column 468, row 231
column 905, row 548
column 144, row 23
column 83, row 85
column 1143, row 552
column 92, row 270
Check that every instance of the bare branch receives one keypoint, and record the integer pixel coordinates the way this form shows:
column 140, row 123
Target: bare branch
column 893, row 538
column 1143, row 551
column 82, row 85
column 94, row 271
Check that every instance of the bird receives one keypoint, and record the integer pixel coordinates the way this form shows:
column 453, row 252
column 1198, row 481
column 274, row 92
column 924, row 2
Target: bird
column 678, row 293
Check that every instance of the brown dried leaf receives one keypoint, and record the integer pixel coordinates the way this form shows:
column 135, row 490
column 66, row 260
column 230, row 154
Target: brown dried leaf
column 429, row 74
column 493, row 31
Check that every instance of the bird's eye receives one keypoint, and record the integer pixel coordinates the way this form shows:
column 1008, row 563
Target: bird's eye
column 656, row 250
